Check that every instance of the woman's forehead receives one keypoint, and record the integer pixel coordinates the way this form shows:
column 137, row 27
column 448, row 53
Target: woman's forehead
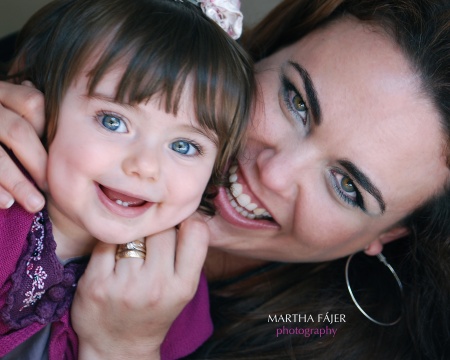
column 374, row 111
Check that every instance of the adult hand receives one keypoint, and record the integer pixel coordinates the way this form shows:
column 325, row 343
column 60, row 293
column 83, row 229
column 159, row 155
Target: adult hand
column 123, row 309
column 22, row 121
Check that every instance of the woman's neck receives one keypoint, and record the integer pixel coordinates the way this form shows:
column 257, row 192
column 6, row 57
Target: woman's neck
column 220, row 265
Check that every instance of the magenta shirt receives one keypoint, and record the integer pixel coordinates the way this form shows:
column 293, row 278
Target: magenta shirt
column 36, row 290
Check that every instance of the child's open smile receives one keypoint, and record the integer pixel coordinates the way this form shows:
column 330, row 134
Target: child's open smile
column 118, row 172
column 122, row 204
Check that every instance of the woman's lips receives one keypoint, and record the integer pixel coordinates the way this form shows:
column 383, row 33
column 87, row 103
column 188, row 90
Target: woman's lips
column 239, row 206
column 122, row 204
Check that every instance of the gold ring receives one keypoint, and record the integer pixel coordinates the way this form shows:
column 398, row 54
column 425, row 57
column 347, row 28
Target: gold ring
column 130, row 254
column 137, row 245
column 133, row 249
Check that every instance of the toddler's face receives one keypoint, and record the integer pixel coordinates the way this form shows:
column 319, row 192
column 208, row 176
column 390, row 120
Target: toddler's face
column 118, row 172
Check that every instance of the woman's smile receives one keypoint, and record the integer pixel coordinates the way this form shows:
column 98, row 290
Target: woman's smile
column 240, row 206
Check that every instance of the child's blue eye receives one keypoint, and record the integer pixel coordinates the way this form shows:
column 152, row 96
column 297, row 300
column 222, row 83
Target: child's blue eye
column 184, row 147
column 113, row 123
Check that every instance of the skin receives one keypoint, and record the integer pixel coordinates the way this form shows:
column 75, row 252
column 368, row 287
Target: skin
column 105, row 154
column 373, row 113
column 143, row 152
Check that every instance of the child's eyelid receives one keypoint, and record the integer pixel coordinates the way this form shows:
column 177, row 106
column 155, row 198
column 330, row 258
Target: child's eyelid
column 114, row 114
column 124, row 121
column 194, row 143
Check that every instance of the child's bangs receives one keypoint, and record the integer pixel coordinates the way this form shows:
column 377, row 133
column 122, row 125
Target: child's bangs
column 147, row 71
column 163, row 52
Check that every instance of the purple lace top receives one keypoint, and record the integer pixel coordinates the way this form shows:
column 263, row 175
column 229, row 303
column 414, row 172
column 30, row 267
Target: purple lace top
column 37, row 290
column 42, row 288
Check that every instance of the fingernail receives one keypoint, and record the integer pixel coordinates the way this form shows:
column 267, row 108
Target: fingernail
column 35, row 202
column 10, row 203
column 7, row 201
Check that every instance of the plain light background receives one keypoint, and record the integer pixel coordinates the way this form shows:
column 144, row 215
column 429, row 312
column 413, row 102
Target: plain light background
column 14, row 13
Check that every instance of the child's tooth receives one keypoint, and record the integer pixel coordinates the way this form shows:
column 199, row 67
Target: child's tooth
column 122, row 203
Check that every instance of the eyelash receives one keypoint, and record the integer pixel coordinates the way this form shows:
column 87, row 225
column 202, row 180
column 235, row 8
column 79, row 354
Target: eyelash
column 358, row 201
column 101, row 114
column 196, row 146
column 289, row 90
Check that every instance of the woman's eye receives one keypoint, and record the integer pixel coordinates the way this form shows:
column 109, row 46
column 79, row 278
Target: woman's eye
column 297, row 102
column 347, row 185
column 297, row 105
column 184, row 147
column 346, row 189
column 294, row 101
column 113, row 123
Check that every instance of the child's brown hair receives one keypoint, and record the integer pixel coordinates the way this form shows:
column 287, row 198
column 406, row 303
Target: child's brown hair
column 163, row 44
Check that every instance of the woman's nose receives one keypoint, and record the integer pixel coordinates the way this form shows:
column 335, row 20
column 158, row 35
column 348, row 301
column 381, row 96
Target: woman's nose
column 143, row 162
column 285, row 168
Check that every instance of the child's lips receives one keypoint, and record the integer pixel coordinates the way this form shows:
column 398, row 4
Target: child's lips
column 121, row 198
column 123, row 205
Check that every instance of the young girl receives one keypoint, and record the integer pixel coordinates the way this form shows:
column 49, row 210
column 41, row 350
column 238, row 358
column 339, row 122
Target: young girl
column 144, row 101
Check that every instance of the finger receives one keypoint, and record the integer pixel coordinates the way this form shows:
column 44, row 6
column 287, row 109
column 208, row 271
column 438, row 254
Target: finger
column 22, row 121
column 26, row 101
column 160, row 257
column 102, row 261
column 19, row 136
column 16, row 185
column 126, row 267
column 6, row 200
column 193, row 239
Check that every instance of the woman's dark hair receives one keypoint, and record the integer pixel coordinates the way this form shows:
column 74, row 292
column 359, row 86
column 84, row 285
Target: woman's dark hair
column 241, row 307
column 164, row 45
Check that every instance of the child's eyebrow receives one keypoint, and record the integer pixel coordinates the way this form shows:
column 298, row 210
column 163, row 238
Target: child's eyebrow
column 207, row 133
column 112, row 100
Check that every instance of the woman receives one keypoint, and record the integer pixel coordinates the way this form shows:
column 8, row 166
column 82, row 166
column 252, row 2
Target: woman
column 348, row 151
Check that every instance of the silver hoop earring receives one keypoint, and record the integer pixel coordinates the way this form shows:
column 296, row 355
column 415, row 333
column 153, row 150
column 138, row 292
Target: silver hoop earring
column 385, row 263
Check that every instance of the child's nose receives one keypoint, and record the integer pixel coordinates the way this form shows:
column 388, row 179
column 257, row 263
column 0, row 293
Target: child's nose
column 144, row 162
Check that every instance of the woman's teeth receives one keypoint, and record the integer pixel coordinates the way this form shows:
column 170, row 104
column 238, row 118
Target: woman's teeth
column 241, row 202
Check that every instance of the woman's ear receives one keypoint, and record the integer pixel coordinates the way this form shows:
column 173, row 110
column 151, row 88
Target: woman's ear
column 376, row 246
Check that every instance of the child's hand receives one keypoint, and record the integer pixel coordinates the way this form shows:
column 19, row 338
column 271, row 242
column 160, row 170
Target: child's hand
column 125, row 308
column 22, row 121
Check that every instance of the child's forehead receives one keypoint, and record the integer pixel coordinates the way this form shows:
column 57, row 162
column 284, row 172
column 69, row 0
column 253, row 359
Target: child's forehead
column 103, row 97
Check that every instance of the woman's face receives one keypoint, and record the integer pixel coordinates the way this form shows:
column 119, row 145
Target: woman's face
column 343, row 145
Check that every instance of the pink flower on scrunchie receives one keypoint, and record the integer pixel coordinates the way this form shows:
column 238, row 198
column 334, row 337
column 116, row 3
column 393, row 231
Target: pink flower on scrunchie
column 226, row 13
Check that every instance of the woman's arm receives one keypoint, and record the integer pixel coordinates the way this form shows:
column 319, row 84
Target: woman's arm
column 123, row 309
column 22, row 121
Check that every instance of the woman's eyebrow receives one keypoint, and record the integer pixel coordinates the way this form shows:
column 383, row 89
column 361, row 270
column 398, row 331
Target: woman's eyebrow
column 364, row 181
column 311, row 92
